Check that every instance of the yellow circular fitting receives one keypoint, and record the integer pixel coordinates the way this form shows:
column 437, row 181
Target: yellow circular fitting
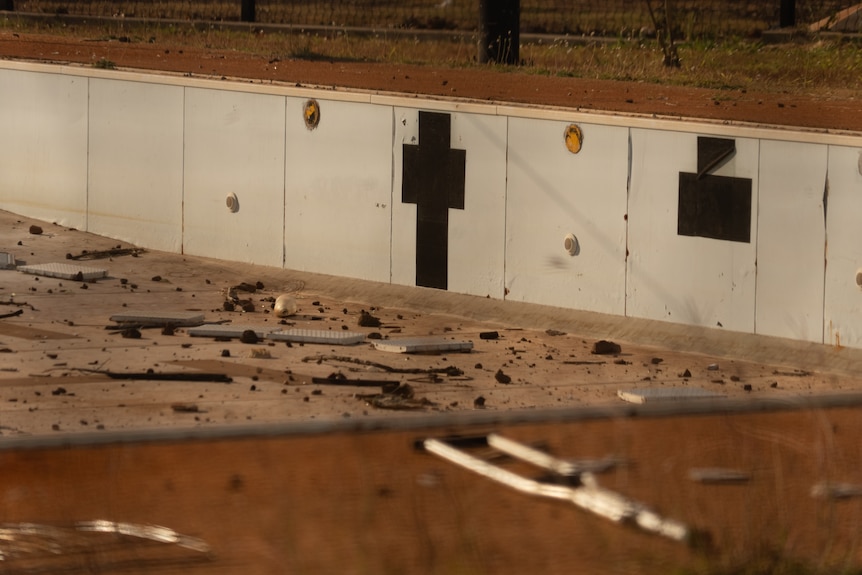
column 574, row 138
column 311, row 114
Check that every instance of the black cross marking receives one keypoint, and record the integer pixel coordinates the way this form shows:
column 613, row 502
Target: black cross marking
column 433, row 179
column 711, row 206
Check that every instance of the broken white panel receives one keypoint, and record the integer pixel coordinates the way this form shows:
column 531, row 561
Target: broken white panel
column 662, row 394
column 64, row 271
column 476, row 234
column 678, row 278
column 791, row 240
column 843, row 293
column 234, row 176
column 835, row 490
column 7, row 261
column 317, row 336
column 422, row 345
column 164, row 318
column 43, row 148
column 227, row 330
column 338, row 190
column 136, row 163
column 554, row 195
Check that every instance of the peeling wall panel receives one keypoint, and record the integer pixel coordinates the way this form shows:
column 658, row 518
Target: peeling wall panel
column 689, row 279
column 791, row 240
column 843, row 308
column 136, row 163
column 234, row 144
column 473, row 260
column 552, row 193
column 338, row 189
column 43, row 148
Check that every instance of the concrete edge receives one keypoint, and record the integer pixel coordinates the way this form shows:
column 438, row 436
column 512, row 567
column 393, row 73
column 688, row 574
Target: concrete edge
column 435, row 422
column 450, row 104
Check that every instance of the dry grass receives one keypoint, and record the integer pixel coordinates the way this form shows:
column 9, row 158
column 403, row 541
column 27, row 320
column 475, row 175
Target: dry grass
column 823, row 67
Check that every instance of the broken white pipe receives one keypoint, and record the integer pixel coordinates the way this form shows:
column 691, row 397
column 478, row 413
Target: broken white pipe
column 588, row 496
column 151, row 532
column 547, row 461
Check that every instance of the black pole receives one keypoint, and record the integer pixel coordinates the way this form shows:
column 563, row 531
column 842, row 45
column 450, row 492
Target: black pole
column 499, row 31
column 787, row 15
column 248, row 10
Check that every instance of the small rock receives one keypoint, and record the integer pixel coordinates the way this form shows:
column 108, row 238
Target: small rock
column 368, row 320
column 59, row 391
column 747, row 387
column 185, row 408
column 404, row 390
column 554, row 332
column 228, row 306
column 712, row 367
column 686, row 373
column 734, row 378
column 225, row 353
column 478, row 366
column 489, row 335
column 131, row 333
column 168, row 330
column 157, row 278
column 249, row 336
column 374, row 335
column 604, row 347
column 502, row 377
column 36, row 230
column 479, row 402
column 656, row 360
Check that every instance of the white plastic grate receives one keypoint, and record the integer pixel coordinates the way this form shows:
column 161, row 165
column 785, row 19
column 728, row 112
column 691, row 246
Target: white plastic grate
column 64, row 271
column 317, row 336
column 422, row 344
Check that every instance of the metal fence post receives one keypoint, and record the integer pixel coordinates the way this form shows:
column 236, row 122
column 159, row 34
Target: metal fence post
column 248, row 10
column 499, row 31
column 787, row 13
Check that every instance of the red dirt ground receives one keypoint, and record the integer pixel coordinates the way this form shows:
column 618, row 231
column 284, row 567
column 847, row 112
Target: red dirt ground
column 830, row 111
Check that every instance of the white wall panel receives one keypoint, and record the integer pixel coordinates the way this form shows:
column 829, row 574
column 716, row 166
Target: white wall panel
column 679, row 278
column 403, row 242
column 234, row 143
column 553, row 192
column 476, row 233
column 136, row 163
column 791, row 240
column 338, row 190
column 43, row 148
column 843, row 309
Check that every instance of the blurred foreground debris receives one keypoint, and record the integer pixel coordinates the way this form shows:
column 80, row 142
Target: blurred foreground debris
column 35, row 547
column 574, row 481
